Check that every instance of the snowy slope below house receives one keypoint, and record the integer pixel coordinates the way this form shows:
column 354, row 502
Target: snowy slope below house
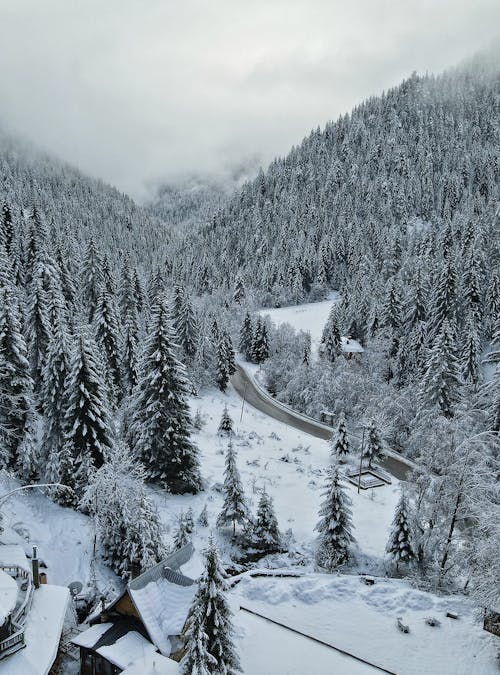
column 359, row 619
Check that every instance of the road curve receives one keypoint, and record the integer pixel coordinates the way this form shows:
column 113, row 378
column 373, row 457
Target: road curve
column 246, row 387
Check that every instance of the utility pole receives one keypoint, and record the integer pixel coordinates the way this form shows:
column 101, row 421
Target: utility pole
column 243, row 401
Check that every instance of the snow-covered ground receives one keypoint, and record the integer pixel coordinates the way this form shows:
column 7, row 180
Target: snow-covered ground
column 360, row 619
column 309, row 317
column 336, row 609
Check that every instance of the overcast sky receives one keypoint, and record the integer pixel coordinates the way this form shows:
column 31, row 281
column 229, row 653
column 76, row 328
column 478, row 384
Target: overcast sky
column 135, row 91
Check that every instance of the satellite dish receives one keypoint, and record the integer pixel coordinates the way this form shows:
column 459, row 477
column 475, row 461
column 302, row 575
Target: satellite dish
column 75, row 588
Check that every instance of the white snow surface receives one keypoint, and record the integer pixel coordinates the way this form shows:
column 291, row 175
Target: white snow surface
column 13, row 554
column 89, row 637
column 309, row 317
column 43, row 632
column 152, row 664
column 8, row 595
column 127, row 650
column 360, row 619
column 164, row 607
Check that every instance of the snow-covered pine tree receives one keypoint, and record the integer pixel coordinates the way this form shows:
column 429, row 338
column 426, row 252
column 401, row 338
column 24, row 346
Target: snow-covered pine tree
column 87, row 423
column 331, row 335
column 246, row 337
column 266, row 534
column 374, row 449
column 108, row 340
column 182, row 535
column 203, row 517
column 471, row 352
column 130, row 360
column 210, row 646
column 92, row 279
column 260, row 342
column 239, row 289
column 159, row 432
column 223, row 362
column 6, row 228
column 339, row 443
column 57, row 456
column 127, row 521
column 400, row 546
column 38, row 326
column 441, row 383
column 16, row 384
column 185, row 323
column 334, row 526
column 234, row 509
column 226, row 423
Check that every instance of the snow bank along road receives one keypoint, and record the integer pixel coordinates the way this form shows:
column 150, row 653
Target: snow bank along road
column 247, row 388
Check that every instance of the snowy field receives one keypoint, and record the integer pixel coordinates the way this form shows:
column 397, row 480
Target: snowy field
column 337, row 609
column 343, row 612
column 310, row 317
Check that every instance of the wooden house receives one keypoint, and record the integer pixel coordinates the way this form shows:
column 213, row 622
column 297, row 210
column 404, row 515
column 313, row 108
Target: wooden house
column 143, row 625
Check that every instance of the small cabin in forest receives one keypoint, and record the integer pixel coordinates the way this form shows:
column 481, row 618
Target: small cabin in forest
column 144, row 626
column 351, row 349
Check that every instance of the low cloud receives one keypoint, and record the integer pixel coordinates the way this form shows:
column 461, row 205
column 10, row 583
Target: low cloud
column 136, row 92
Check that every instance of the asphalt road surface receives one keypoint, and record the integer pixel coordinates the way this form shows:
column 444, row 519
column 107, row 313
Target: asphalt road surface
column 250, row 392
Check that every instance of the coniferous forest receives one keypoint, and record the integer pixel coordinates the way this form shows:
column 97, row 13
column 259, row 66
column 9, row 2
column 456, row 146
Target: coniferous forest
column 115, row 317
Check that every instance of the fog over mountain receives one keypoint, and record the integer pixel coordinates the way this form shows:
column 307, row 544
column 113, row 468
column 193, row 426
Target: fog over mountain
column 143, row 93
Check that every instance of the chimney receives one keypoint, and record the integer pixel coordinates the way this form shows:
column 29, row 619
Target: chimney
column 34, row 568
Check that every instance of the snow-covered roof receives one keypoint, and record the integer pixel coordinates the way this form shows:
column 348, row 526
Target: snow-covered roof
column 350, row 346
column 88, row 638
column 13, row 554
column 8, row 595
column 164, row 606
column 127, row 650
column 152, row 664
column 42, row 634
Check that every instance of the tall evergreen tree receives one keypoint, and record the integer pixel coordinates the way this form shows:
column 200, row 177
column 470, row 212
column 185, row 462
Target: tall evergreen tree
column 266, row 534
column 374, row 449
column 226, row 423
column 339, row 441
column 234, row 509
column 334, row 526
column 239, row 289
column 6, row 228
column 332, row 346
column 400, row 546
column 246, row 337
column 471, row 352
column 108, row 339
column 92, row 278
column 441, row 383
column 16, row 384
column 186, row 327
column 260, row 342
column 209, row 636
column 159, row 431
column 88, row 429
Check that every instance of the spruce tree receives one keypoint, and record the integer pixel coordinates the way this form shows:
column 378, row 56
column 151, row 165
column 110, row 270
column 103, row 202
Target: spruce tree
column 38, row 324
column 374, row 449
column 234, row 509
column 203, row 517
column 210, row 635
column 260, row 342
column 332, row 346
column 16, row 384
column 471, row 353
column 239, row 289
column 400, row 546
column 186, row 326
column 92, row 278
column 246, row 337
column 223, row 364
column 266, row 534
column 87, row 423
column 339, row 441
column 441, row 383
column 57, row 456
column 108, row 340
column 160, row 426
column 6, row 228
column 226, row 423
column 182, row 535
column 334, row 526
column 130, row 360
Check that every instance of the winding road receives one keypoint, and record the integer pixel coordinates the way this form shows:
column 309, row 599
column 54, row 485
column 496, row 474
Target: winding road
column 255, row 396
